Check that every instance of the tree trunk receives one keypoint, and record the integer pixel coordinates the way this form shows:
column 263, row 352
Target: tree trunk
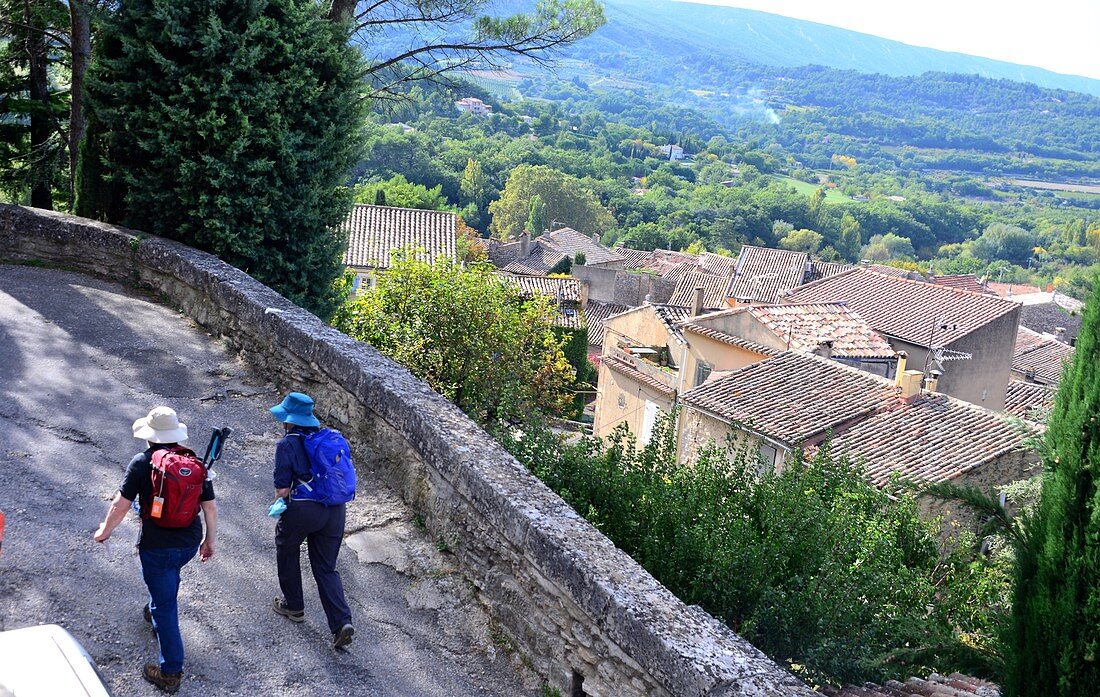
column 81, row 41
column 342, row 10
column 40, row 173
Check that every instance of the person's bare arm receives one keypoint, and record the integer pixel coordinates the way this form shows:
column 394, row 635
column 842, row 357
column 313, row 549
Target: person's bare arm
column 210, row 517
column 115, row 514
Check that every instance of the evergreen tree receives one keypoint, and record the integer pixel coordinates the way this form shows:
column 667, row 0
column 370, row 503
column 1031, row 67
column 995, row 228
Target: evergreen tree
column 850, row 240
column 1054, row 639
column 230, row 127
column 536, row 216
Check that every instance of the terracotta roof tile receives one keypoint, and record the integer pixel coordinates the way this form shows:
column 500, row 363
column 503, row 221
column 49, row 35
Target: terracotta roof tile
column 538, row 262
column 560, row 289
column 934, row 438
column 728, row 338
column 824, row 269
column 808, row 326
column 596, row 313
column 1028, row 400
column 671, row 316
column 793, row 396
column 954, row 685
column 714, row 290
column 962, row 281
column 905, row 308
column 624, row 367
column 1041, row 360
column 717, row 264
column 568, row 241
column 635, row 258
column 764, row 274
column 1008, row 290
column 375, row 232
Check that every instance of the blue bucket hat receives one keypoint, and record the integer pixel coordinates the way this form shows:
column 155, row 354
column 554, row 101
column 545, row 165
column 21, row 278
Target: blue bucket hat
column 296, row 408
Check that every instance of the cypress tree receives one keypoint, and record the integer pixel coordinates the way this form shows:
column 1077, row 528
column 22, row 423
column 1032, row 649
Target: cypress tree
column 231, row 126
column 1054, row 638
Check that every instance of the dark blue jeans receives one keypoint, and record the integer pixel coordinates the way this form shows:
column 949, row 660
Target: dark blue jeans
column 161, row 570
column 322, row 527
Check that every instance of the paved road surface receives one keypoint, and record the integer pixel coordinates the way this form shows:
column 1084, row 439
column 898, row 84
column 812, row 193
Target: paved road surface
column 80, row 359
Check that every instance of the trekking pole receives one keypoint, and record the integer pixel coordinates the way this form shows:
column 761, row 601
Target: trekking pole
column 214, row 449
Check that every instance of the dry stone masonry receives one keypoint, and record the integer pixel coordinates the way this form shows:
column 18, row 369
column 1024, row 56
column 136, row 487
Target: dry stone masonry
column 585, row 615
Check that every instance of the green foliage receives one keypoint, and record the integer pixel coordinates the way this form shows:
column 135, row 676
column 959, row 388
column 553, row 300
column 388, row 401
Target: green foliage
column 887, row 247
column 34, row 107
column 468, row 335
column 802, row 241
column 400, row 192
column 537, row 221
column 1007, row 242
column 850, row 240
column 813, row 564
column 567, row 201
column 1055, row 631
column 231, row 127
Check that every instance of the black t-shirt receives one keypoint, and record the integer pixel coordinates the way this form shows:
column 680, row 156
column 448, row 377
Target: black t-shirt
column 138, row 484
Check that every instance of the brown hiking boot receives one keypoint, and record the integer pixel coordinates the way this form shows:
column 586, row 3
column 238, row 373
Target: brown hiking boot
column 169, row 682
column 292, row 615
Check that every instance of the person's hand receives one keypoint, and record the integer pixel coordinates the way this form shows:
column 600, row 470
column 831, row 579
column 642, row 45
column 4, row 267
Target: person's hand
column 282, row 493
column 101, row 534
column 206, row 550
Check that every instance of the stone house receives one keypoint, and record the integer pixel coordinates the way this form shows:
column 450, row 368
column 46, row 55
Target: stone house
column 567, row 294
column 375, row 233
column 891, row 427
column 965, row 339
column 537, row 257
column 762, row 274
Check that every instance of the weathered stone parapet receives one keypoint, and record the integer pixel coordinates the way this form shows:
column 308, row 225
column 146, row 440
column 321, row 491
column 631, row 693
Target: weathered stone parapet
column 588, row 617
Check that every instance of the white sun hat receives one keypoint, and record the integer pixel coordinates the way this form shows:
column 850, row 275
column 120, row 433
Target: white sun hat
column 160, row 426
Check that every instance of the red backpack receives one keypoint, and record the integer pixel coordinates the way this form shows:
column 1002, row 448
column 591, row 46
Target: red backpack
column 177, row 485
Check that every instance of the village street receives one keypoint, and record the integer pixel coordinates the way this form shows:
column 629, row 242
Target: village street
column 80, row 360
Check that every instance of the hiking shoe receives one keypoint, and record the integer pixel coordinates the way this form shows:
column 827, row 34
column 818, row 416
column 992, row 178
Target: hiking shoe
column 343, row 637
column 169, row 682
column 292, row 615
column 147, row 613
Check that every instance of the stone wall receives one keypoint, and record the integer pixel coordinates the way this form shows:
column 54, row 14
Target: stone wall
column 587, row 616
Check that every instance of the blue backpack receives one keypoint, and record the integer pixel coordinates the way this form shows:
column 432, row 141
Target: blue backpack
column 333, row 480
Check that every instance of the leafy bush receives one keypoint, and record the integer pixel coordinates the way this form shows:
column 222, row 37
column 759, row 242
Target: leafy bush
column 814, row 565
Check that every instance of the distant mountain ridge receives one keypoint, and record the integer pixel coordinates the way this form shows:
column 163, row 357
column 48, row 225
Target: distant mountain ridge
column 677, row 30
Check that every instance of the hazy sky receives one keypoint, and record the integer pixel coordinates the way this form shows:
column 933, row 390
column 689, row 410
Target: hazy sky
column 1059, row 35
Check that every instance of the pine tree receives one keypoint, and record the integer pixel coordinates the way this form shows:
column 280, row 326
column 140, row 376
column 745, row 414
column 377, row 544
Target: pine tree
column 230, row 126
column 1054, row 639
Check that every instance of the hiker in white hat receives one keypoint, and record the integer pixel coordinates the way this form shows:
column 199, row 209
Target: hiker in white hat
column 171, row 487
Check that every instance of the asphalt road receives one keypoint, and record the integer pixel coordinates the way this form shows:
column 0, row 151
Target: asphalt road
column 80, row 360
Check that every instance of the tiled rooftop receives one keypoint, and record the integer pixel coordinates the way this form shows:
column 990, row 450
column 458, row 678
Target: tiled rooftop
column 934, row 438
column 962, row 281
column 717, row 264
column 1008, row 290
column 725, row 338
column 560, row 289
column 824, row 269
column 671, row 316
column 568, row 241
column 806, row 327
column 596, row 313
column 763, row 274
column 793, row 396
column 538, row 262
column 911, row 310
column 375, row 232
column 1029, row 400
column 954, row 685
column 1040, row 358
column 714, row 290
column 624, row 367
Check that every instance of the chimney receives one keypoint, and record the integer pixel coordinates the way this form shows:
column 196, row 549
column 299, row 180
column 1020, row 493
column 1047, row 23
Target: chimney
column 824, row 349
column 1060, row 333
column 902, row 356
column 933, row 383
column 697, row 303
column 909, row 384
column 596, row 237
column 524, row 243
column 647, row 298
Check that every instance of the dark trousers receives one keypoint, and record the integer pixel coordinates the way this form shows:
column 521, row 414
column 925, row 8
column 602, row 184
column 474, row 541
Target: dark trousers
column 322, row 527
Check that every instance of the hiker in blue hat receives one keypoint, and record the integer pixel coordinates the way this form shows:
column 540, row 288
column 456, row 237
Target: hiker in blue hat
column 321, row 525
